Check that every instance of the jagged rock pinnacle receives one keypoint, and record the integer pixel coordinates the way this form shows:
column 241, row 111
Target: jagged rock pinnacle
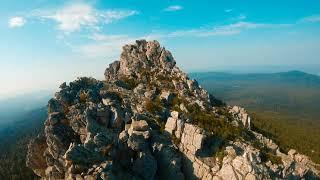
column 142, row 56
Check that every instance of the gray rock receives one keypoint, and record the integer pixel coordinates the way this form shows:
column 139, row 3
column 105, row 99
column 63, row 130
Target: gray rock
column 117, row 117
column 112, row 70
column 123, row 136
column 55, row 118
column 137, row 142
column 139, row 125
column 145, row 165
column 150, row 94
column 241, row 115
column 171, row 125
column 183, row 108
column 169, row 161
column 54, row 106
column 167, row 96
column 180, row 126
column 78, row 154
column 35, row 155
column 175, row 114
column 59, row 138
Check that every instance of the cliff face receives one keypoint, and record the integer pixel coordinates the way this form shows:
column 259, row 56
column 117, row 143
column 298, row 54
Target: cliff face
column 148, row 120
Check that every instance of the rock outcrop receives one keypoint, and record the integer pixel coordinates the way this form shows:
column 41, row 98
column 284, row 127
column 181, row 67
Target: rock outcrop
column 148, row 120
column 240, row 115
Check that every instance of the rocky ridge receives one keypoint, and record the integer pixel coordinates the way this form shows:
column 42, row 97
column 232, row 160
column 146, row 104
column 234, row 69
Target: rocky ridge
column 148, row 120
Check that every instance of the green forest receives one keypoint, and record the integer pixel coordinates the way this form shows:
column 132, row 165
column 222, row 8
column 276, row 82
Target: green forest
column 284, row 106
column 14, row 139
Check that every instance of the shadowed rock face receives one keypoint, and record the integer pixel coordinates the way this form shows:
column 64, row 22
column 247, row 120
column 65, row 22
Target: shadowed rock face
column 139, row 124
column 35, row 159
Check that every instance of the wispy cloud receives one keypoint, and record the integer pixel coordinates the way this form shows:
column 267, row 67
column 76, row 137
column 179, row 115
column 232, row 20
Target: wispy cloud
column 224, row 30
column 228, row 10
column 15, row 22
column 312, row 19
column 218, row 31
column 242, row 17
column 74, row 17
column 114, row 15
column 104, row 45
column 173, row 8
column 109, row 45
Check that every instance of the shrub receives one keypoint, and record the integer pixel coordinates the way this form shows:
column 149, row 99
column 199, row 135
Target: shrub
column 162, row 127
column 175, row 140
column 153, row 106
column 83, row 97
column 114, row 95
column 220, row 154
column 266, row 154
column 218, row 126
column 65, row 109
column 269, row 156
column 176, row 101
column 128, row 83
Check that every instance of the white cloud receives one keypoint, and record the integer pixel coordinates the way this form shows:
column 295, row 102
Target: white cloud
column 228, row 10
column 103, row 46
column 72, row 18
column 313, row 19
column 246, row 25
column 173, row 8
column 109, row 46
column 113, row 15
column 242, row 17
column 76, row 16
column 16, row 22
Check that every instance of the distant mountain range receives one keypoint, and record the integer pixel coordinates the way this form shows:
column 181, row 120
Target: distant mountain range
column 266, row 69
column 297, row 76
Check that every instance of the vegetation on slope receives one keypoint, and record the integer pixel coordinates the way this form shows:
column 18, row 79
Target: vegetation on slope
column 14, row 139
column 284, row 106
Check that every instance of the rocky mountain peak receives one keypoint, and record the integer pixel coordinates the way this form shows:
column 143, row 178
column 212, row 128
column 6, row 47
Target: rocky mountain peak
column 148, row 120
column 146, row 55
column 140, row 58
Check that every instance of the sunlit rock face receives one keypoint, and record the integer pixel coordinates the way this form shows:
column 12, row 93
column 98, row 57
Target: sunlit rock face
column 148, row 120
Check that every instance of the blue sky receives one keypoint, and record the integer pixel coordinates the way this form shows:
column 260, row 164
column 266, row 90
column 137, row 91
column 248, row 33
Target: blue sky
column 44, row 43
